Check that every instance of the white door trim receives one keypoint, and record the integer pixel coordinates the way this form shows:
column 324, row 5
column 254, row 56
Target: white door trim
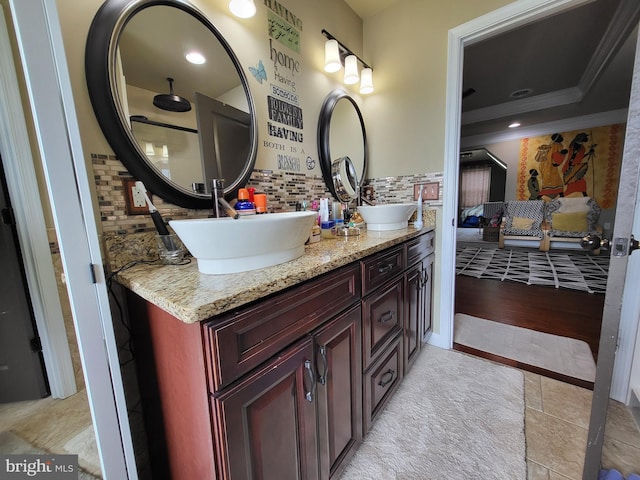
column 30, row 223
column 46, row 72
column 508, row 17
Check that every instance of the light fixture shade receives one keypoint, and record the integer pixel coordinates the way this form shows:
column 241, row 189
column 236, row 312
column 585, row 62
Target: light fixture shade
column 242, row 8
column 332, row 56
column 366, row 81
column 165, row 151
column 148, row 149
column 351, row 70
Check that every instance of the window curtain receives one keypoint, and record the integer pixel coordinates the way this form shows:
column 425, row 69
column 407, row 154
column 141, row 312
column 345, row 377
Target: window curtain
column 474, row 186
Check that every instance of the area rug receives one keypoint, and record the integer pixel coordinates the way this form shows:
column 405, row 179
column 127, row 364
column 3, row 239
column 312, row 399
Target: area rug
column 453, row 416
column 562, row 269
column 564, row 355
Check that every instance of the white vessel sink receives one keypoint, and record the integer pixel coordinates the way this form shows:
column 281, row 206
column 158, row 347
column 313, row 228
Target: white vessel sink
column 390, row 216
column 225, row 245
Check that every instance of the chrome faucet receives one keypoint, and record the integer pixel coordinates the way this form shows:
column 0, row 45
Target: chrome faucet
column 217, row 198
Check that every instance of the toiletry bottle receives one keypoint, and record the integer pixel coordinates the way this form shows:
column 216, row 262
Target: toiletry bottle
column 243, row 205
column 418, row 222
column 315, row 234
column 260, row 200
column 328, row 229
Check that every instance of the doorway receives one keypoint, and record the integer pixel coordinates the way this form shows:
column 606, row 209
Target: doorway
column 560, row 320
column 22, row 374
column 475, row 31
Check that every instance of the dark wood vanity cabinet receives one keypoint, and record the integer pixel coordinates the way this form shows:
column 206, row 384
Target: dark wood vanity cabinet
column 268, row 419
column 338, row 355
column 267, row 422
column 287, row 386
column 418, row 286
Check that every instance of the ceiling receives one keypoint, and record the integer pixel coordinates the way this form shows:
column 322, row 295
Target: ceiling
column 367, row 8
column 575, row 63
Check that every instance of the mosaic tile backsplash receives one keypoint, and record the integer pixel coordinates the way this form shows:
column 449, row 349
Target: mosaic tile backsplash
column 284, row 190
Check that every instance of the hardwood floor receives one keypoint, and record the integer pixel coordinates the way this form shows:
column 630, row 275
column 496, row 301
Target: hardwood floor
column 568, row 313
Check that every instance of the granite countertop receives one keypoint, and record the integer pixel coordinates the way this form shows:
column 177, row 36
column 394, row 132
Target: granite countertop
column 191, row 296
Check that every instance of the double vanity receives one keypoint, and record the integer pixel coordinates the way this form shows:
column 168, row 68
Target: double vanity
column 278, row 372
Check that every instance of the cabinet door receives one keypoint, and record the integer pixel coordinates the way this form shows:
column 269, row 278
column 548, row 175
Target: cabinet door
column 427, row 287
column 339, row 366
column 269, row 420
column 414, row 313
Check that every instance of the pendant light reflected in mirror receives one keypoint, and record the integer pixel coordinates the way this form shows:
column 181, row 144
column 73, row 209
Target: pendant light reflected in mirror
column 171, row 102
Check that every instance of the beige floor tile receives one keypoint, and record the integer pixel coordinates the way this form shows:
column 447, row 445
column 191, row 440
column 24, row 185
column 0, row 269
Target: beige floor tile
column 620, row 424
column 565, row 401
column 12, row 413
column 557, row 476
column 42, row 427
column 555, row 443
column 536, row 471
column 532, row 390
column 621, row 456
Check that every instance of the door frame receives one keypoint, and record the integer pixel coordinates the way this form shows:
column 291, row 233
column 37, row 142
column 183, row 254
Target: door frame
column 25, row 198
column 43, row 57
column 510, row 16
column 506, row 18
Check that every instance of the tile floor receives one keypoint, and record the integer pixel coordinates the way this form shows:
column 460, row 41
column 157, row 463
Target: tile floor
column 556, row 427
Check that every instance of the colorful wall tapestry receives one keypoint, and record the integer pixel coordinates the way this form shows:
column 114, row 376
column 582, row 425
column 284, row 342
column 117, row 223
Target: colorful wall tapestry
column 579, row 163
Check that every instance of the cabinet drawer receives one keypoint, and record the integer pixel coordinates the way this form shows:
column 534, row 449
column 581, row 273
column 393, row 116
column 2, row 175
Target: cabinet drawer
column 420, row 247
column 381, row 381
column 381, row 268
column 383, row 319
column 244, row 339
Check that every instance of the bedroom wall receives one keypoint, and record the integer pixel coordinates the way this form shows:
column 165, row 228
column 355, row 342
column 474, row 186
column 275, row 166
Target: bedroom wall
column 509, row 153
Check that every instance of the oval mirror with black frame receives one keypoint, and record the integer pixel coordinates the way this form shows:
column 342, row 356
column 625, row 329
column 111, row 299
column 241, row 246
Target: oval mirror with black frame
column 341, row 134
column 140, row 82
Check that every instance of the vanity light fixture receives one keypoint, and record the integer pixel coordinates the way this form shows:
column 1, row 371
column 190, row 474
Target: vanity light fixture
column 332, row 56
column 351, row 75
column 335, row 53
column 242, row 8
column 366, row 81
column 195, row 57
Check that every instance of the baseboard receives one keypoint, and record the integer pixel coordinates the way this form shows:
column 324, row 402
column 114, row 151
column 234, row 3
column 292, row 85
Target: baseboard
column 634, row 405
column 439, row 340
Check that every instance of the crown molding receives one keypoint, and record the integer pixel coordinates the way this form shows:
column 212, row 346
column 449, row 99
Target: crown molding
column 523, row 105
column 622, row 23
column 587, row 121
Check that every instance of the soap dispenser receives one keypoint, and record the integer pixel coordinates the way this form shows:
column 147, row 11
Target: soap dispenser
column 244, row 206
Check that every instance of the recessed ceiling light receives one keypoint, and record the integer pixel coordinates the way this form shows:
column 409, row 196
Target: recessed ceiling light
column 195, row 57
column 523, row 92
column 514, row 125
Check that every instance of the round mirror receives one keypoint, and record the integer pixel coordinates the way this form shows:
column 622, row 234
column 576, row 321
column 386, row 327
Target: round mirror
column 174, row 124
column 345, row 180
column 342, row 140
